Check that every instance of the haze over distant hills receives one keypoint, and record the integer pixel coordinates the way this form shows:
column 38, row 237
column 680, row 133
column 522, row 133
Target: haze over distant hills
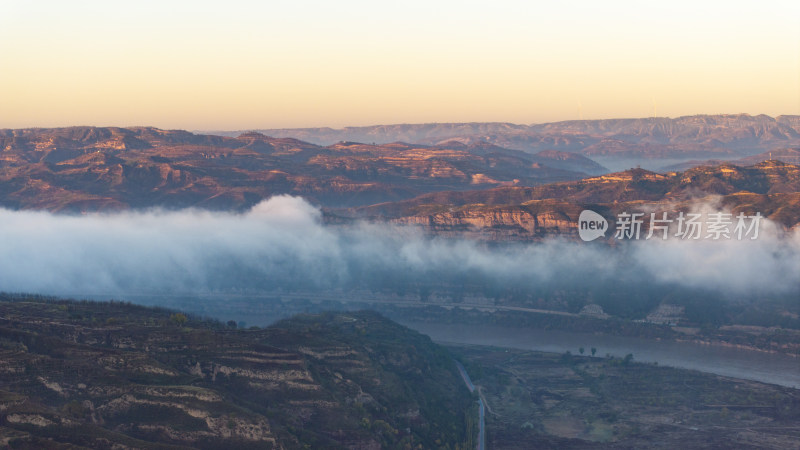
column 631, row 141
column 787, row 155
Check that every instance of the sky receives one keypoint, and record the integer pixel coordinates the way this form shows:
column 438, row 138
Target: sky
column 241, row 65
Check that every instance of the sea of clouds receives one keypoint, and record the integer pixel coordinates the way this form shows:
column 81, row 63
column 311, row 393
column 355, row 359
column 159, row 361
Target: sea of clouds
column 283, row 243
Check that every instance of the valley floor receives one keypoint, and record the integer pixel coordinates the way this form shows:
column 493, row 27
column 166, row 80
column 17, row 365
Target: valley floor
column 546, row 400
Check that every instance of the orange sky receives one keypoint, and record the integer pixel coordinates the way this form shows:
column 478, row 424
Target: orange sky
column 239, row 65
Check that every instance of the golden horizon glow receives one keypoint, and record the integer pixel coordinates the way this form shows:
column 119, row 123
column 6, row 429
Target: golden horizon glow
column 241, row 65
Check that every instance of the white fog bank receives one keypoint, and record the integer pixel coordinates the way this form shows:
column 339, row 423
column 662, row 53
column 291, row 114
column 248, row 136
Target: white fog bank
column 282, row 243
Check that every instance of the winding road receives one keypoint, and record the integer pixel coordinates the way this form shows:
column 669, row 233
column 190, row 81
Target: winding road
column 481, row 413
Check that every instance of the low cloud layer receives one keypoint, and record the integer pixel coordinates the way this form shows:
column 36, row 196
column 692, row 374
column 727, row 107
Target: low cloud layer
column 282, row 243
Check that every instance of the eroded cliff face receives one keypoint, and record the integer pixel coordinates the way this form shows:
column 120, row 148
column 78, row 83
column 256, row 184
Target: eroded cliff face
column 495, row 223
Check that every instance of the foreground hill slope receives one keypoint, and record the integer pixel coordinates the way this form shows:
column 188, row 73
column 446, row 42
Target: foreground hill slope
column 105, row 375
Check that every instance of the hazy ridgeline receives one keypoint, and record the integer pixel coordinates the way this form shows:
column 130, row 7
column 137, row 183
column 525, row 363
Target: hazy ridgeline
column 282, row 244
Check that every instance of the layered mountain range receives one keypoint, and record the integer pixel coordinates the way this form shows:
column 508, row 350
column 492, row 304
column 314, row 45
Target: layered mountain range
column 635, row 140
column 90, row 168
column 453, row 186
column 771, row 188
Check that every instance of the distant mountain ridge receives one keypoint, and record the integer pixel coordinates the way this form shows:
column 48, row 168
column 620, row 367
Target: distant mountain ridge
column 647, row 138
